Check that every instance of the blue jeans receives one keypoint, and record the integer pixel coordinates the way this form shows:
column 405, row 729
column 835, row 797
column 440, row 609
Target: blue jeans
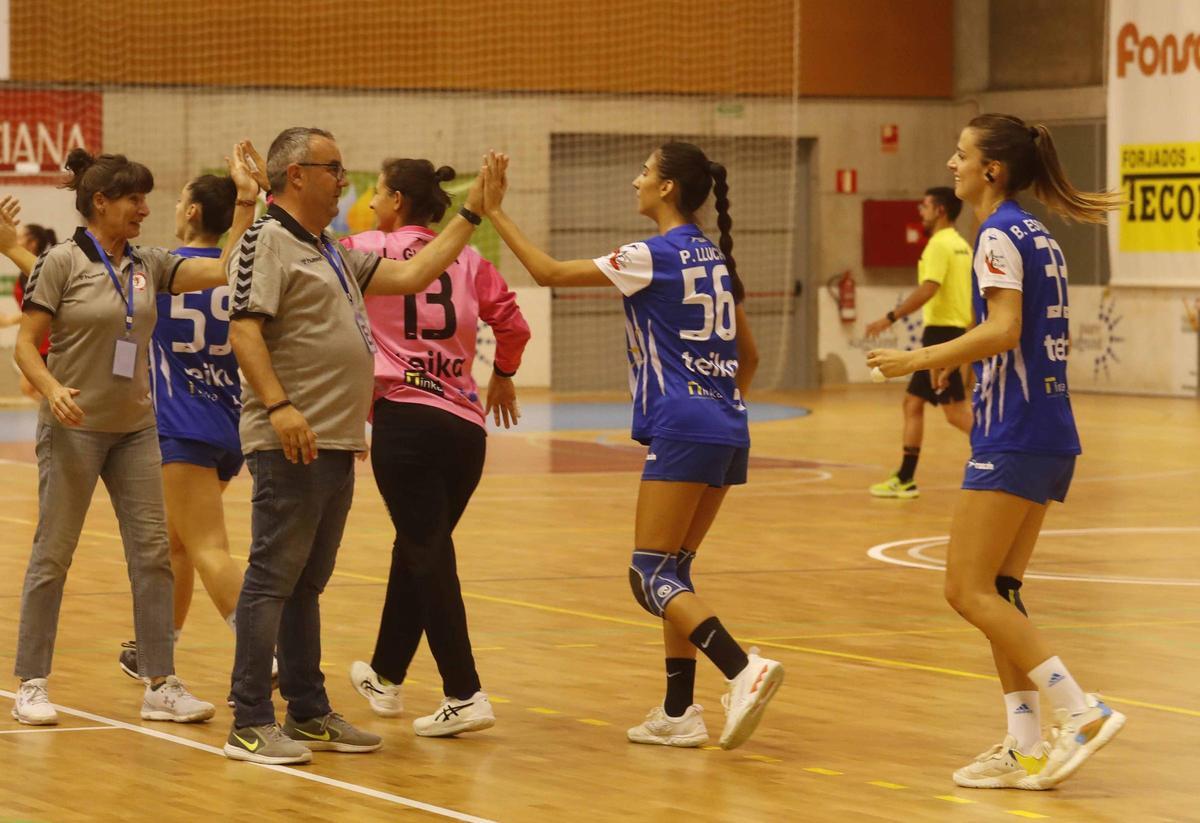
column 297, row 517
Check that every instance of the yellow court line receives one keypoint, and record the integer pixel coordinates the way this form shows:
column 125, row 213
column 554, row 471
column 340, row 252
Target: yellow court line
column 971, row 629
column 591, row 721
column 1030, row 815
column 819, row 770
column 883, row 784
column 862, row 658
column 949, row 798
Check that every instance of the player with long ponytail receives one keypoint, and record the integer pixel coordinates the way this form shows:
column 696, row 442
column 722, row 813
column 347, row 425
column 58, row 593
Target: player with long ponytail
column 1023, row 444
column 691, row 359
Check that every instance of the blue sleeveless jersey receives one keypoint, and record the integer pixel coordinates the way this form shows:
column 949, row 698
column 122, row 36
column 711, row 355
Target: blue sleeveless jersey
column 682, row 337
column 194, row 374
column 1021, row 402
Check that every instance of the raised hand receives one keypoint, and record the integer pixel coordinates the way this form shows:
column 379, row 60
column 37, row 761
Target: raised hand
column 10, row 207
column 240, row 170
column 495, row 179
column 256, row 164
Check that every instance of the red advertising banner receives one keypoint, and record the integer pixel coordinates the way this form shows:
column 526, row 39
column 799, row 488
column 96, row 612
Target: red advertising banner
column 39, row 128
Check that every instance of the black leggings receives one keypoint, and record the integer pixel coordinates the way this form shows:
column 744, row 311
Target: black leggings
column 427, row 462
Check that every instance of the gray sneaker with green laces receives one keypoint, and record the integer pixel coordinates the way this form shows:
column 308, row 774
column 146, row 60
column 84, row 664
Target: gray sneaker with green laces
column 331, row 733
column 265, row 744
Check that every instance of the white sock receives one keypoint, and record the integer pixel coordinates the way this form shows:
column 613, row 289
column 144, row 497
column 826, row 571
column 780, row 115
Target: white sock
column 1052, row 677
column 231, row 621
column 1024, row 719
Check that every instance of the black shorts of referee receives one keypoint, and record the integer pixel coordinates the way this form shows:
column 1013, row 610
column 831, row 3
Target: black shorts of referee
column 921, row 383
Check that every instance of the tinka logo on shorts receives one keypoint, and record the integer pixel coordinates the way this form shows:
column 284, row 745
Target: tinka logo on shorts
column 983, row 467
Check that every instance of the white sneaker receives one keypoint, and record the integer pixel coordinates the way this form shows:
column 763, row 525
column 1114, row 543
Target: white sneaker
column 33, row 704
column 454, row 716
column 1079, row 737
column 747, row 697
column 659, row 727
column 172, row 701
column 1003, row 767
column 386, row 701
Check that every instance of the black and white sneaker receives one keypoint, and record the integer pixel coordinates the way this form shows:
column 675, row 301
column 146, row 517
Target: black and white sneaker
column 385, row 698
column 128, row 658
column 471, row 715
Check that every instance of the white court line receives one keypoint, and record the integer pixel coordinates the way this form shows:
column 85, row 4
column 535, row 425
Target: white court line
column 59, row 728
column 305, row 775
column 918, row 546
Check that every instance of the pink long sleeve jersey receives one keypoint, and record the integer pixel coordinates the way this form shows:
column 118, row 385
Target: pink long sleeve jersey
column 426, row 341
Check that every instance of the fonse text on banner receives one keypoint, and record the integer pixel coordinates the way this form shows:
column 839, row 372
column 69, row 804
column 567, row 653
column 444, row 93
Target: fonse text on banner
column 1153, row 156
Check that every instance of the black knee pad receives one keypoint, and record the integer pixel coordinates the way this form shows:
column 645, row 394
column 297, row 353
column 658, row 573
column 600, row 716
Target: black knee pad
column 1010, row 589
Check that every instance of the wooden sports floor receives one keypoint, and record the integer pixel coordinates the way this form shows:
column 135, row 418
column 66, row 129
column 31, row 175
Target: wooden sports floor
column 887, row 690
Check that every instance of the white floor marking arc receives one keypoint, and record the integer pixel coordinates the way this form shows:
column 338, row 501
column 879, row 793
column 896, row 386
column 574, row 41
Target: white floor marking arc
column 289, row 770
column 919, row 545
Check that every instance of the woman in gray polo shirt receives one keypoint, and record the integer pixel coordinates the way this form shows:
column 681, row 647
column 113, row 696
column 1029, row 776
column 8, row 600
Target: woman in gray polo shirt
column 95, row 294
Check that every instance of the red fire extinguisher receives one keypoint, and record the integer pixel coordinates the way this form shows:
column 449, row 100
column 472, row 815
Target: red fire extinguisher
column 841, row 287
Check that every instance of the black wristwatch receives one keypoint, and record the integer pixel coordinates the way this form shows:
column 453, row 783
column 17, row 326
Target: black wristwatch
column 891, row 316
column 470, row 216
column 499, row 373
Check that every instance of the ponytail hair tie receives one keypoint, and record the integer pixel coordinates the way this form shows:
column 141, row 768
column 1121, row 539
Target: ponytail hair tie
column 1033, row 133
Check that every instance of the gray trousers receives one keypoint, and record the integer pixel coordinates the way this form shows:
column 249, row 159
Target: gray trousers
column 69, row 463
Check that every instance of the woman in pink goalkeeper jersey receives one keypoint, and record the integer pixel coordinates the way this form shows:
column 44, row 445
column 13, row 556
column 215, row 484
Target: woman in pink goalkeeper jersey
column 428, row 442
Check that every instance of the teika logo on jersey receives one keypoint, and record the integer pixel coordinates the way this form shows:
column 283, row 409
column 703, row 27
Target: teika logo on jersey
column 209, row 375
column 1057, row 348
column 438, row 366
column 712, row 366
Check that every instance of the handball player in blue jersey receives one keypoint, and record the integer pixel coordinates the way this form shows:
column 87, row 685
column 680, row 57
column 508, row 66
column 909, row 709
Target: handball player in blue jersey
column 1023, row 443
column 197, row 401
column 691, row 360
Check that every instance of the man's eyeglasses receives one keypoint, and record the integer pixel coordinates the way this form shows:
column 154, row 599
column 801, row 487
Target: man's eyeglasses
column 335, row 168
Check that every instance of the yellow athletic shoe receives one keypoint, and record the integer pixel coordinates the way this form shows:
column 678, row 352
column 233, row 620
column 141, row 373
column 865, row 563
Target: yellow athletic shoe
column 1003, row 767
column 892, row 487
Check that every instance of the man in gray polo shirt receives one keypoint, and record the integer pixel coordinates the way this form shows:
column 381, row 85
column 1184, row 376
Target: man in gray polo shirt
column 299, row 329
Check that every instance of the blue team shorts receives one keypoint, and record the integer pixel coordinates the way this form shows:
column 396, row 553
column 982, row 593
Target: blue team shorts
column 199, row 453
column 687, row 462
column 1036, row 477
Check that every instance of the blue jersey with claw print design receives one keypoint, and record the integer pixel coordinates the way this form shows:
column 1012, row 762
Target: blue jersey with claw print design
column 681, row 330
column 1021, row 401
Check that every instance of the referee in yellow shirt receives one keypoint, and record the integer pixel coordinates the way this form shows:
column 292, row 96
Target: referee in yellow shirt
column 943, row 294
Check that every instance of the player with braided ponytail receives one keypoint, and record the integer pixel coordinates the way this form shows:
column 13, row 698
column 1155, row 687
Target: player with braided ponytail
column 691, row 359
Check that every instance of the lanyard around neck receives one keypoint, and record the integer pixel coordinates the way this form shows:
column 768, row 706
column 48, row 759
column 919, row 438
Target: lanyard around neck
column 127, row 293
column 331, row 257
